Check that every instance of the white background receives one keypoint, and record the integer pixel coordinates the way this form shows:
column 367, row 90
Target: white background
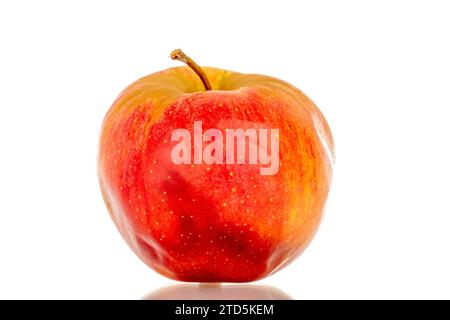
column 379, row 71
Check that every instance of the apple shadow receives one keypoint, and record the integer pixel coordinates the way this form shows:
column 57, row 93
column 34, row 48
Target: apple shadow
column 206, row 291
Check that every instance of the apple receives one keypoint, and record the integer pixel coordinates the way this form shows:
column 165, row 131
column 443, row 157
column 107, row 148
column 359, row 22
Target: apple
column 212, row 175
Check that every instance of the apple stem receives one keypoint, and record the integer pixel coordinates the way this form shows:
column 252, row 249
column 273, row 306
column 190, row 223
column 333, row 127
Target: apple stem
column 181, row 56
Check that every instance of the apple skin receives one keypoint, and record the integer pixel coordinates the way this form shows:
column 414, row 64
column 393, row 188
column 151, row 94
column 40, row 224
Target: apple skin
column 213, row 223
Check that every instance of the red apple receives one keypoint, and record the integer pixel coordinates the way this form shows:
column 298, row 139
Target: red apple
column 193, row 201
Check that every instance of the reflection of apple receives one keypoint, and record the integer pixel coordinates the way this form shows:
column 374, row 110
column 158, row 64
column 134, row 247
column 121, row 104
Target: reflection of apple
column 217, row 292
column 213, row 222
